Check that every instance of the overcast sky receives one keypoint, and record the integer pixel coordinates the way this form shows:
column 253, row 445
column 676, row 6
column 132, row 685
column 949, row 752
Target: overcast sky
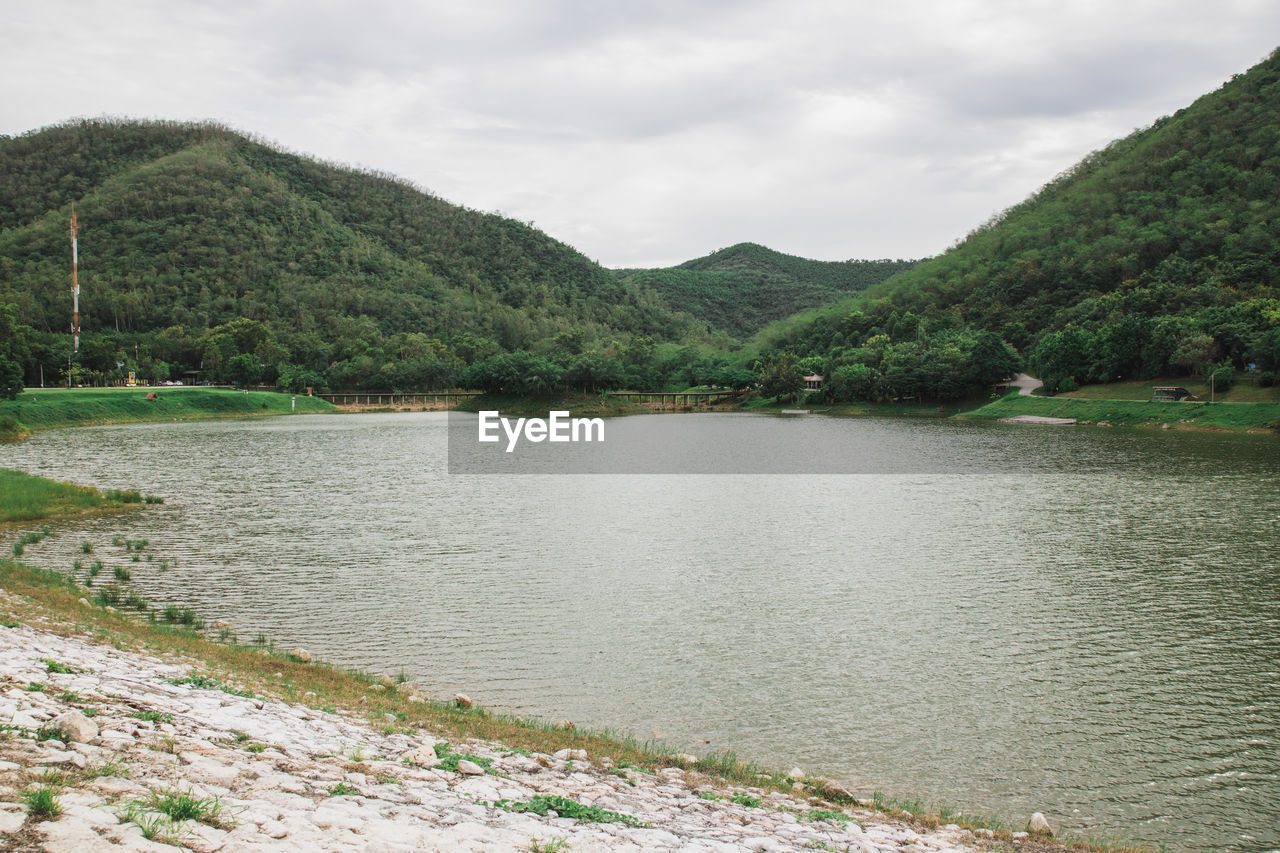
column 649, row 133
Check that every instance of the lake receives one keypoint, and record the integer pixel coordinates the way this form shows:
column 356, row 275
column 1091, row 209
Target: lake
column 998, row 618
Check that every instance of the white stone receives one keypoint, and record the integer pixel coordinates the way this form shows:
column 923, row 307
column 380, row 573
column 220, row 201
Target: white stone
column 11, row 821
column 469, row 768
column 300, row 654
column 1038, row 823
column 76, row 726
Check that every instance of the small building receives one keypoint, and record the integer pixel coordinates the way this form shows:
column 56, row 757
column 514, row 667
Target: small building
column 812, row 382
column 1169, row 394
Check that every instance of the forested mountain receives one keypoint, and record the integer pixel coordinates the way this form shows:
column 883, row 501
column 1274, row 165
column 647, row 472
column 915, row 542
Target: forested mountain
column 1157, row 255
column 314, row 268
column 745, row 287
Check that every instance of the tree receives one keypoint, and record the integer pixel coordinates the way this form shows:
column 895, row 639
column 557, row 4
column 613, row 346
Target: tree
column 780, row 376
column 14, row 345
column 244, row 369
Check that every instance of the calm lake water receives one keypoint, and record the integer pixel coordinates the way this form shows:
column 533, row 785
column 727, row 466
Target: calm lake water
column 1087, row 623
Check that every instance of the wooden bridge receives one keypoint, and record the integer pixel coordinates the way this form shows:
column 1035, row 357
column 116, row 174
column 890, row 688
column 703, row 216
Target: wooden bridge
column 364, row 398
column 677, row 399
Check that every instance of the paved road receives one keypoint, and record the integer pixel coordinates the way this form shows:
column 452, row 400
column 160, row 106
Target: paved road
column 1025, row 384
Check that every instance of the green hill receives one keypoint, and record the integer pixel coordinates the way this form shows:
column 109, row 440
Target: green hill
column 745, row 287
column 187, row 227
column 1158, row 255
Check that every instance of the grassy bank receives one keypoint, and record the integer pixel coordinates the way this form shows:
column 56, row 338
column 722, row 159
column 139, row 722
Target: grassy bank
column 861, row 409
column 1186, row 415
column 24, row 497
column 1244, row 391
column 49, row 408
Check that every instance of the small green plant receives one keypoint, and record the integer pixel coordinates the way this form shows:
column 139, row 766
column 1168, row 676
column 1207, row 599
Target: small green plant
column 828, row 815
column 153, row 499
column 135, row 556
column 135, row 601
column 86, row 547
column 342, row 789
column 551, row 845
column 108, row 596
column 449, row 759
column 122, row 574
column 50, row 731
column 95, row 568
column 154, row 716
column 238, row 736
column 742, row 798
column 180, row 806
column 111, row 767
column 117, row 540
column 17, row 548
column 707, row 795
column 198, row 680
column 42, row 802
column 542, row 804
column 34, row 687
column 59, row 667
column 77, row 566
column 256, row 748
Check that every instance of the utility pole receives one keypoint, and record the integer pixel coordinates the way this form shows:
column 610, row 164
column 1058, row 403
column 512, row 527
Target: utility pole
column 75, row 298
column 75, row 285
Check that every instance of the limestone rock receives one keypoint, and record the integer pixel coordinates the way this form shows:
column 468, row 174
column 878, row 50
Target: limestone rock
column 1039, row 824
column 77, row 727
column 300, row 654
column 469, row 768
column 423, row 756
column 795, row 773
column 462, row 700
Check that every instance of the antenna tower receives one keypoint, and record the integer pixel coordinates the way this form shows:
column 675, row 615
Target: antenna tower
column 75, row 286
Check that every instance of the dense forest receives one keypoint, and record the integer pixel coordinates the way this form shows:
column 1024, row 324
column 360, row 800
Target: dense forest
column 1158, row 255
column 201, row 249
column 745, row 287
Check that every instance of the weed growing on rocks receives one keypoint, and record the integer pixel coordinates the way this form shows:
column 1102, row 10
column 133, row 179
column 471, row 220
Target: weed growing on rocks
column 544, row 804
column 42, row 802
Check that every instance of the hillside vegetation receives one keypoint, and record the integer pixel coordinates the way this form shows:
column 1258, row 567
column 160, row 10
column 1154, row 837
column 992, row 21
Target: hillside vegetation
column 1156, row 256
column 307, row 269
column 745, row 287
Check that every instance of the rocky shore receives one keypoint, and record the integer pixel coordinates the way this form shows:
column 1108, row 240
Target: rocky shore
column 141, row 752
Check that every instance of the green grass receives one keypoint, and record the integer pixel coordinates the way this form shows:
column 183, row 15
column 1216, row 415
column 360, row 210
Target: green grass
column 1243, row 391
column 50, row 408
column 541, row 804
column 24, row 497
column 1202, row 415
column 42, row 802
column 342, row 789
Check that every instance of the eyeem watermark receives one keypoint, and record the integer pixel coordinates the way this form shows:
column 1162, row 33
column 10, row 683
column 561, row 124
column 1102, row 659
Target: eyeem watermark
column 558, row 427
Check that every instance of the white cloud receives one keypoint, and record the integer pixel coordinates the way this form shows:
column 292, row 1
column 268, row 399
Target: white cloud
column 650, row 133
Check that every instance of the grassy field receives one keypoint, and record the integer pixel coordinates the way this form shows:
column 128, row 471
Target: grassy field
column 24, row 497
column 48, row 408
column 1242, row 392
column 1185, row 415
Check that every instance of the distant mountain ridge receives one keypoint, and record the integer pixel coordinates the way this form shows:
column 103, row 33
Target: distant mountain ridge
column 194, row 225
column 747, row 286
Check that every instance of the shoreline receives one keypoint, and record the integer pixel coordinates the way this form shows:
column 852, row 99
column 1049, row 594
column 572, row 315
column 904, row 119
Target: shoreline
column 712, row 803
